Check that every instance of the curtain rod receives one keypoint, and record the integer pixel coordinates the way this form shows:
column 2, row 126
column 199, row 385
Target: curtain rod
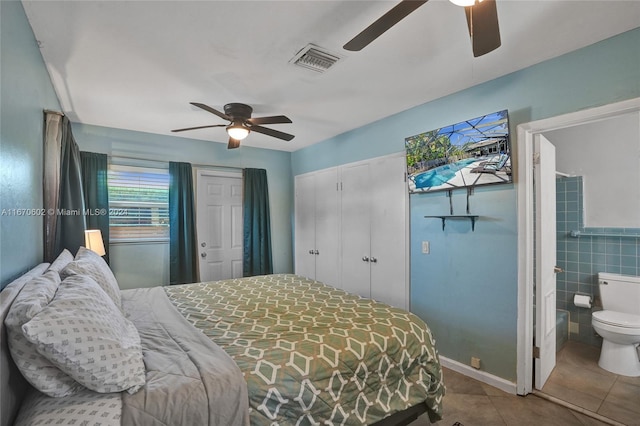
column 50, row 111
column 160, row 161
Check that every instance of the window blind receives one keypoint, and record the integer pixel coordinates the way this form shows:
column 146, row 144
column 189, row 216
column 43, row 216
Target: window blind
column 138, row 203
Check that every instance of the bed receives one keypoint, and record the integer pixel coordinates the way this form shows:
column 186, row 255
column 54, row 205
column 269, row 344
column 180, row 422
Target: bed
column 276, row 349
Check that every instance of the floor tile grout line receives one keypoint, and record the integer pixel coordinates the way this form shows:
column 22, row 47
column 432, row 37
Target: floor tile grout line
column 504, row 421
column 609, row 391
column 577, row 408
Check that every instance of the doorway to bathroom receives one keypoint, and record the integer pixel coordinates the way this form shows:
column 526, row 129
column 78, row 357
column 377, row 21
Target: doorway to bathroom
column 580, row 257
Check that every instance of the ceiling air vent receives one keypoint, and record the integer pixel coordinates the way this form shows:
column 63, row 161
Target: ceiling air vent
column 315, row 58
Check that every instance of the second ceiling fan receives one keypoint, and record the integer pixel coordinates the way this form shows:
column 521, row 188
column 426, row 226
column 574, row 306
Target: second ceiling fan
column 241, row 123
column 482, row 22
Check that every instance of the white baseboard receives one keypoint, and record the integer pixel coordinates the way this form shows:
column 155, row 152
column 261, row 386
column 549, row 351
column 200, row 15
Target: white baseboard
column 479, row 375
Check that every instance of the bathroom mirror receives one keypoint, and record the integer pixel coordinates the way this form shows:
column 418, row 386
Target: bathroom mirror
column 606, row 153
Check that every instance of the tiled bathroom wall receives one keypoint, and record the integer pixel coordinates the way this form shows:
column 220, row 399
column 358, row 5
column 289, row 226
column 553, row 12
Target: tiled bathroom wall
column 583, row 252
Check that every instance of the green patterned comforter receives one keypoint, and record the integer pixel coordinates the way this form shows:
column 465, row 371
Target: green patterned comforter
column 313, row 354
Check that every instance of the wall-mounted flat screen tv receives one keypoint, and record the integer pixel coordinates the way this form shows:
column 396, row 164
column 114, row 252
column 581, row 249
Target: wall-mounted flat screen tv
column 466, row 154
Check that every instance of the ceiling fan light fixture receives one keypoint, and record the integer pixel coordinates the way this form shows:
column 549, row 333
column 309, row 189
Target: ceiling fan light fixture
column 464, row 3
column 237, row 131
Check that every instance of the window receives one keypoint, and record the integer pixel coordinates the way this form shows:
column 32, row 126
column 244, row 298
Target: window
column 138, row 203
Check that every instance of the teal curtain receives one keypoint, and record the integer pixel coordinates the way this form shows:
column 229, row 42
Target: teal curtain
column 183, row 261
column 96, row 194
column 70, row 211
column 256, row 258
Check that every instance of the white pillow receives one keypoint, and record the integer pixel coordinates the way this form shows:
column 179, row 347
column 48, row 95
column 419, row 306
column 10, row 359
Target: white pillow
column 37, row 369
column 61, row 261
column 92, row 264
column 85, row 335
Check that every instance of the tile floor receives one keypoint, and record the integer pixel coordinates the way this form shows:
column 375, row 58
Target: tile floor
column 577, row 379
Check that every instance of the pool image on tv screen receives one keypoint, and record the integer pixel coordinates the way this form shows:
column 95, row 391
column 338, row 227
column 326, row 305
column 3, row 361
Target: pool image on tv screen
column 466, row 154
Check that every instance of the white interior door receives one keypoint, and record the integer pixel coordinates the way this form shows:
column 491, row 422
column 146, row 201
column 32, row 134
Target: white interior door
column 305, row 225
column 545, row 279
column 356, row 229
column 219, row 225
column 327, row 223
column 388, row 231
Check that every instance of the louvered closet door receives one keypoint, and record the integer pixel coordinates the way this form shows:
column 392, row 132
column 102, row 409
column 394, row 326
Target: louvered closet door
column 356, row 229
column 305, row 225
column 327, row 218
column 388, row 231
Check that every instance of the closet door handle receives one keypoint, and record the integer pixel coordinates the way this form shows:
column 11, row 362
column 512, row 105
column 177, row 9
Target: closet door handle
column 316, row 252
column 311, row 252
column 365, row 258
column 374, row 260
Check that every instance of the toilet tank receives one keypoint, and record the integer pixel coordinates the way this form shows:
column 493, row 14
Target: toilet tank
column 620, row 293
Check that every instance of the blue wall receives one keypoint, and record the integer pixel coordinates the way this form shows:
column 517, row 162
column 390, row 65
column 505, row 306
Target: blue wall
column 26, row 90
column 466, row 289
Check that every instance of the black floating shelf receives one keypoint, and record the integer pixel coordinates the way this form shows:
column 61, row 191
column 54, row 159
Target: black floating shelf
column 470, row 217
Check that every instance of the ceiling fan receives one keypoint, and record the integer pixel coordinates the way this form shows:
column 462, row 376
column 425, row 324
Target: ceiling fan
column 241, row 123
column 482, row 21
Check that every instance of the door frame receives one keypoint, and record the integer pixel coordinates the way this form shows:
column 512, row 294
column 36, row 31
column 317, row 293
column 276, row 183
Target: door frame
column 525, row 195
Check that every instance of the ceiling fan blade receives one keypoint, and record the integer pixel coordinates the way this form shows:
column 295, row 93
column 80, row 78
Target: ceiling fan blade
column 271, row 132
column 233, row 143
column 199, row 127
column 212, row 111
column 482, row 20
column 276, row 119
column 388, row 20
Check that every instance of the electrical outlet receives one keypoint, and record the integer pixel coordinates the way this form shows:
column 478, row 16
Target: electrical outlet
column 425, row 247
column 475, row 362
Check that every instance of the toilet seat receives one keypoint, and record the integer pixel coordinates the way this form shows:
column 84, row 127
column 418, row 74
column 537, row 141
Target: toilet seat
column 618, row 319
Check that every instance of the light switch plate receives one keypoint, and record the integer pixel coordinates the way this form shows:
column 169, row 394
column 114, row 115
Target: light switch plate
column 425, row 247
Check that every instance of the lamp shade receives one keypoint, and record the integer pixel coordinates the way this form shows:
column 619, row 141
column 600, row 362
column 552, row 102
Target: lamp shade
column 93, row 241
column 237, row 131
column 464, row 3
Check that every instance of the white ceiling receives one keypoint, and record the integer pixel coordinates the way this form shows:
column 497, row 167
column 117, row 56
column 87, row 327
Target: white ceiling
column 136, row 65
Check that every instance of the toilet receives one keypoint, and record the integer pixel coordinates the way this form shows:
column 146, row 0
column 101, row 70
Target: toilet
column 619, row 323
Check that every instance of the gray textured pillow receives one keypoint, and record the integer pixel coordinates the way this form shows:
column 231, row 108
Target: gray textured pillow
column 85, row 335
column 37, row 369
column 92, row 264
column 82, row 409
column 61, row 261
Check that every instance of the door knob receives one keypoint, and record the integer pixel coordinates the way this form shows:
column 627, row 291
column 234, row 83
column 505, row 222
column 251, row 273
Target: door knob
column 203, row 255
column 203, row 244
column 365, row 258
column 310, row 251
column 316, row 252
column 374, row 260
column 557, row 270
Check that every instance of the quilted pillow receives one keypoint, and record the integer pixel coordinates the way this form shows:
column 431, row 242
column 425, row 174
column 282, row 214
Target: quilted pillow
column 85, row 335
column 37, row 369
column 92, row 264
column 61, row 261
